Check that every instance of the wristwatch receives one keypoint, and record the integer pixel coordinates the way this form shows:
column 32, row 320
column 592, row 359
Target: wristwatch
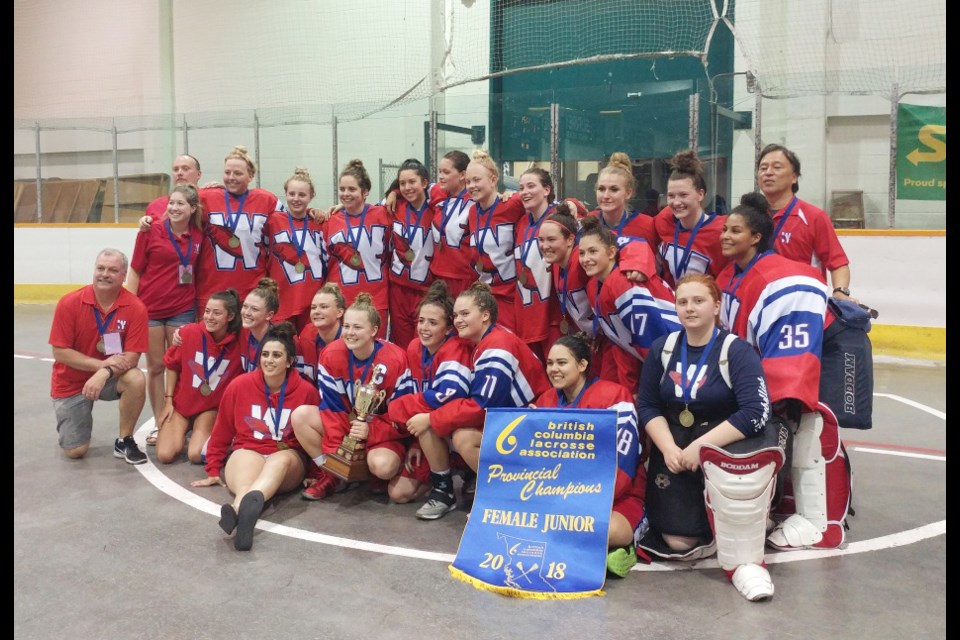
column 844, row 290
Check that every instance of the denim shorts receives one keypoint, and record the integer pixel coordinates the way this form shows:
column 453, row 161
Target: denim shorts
column 178, row 320
column 75, row 415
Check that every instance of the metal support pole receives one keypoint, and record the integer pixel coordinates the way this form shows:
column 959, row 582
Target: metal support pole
column 336, row 162
column 186, row 136
column 116, row 174
column 555, row 147
column 757, row 134
column 892, row 176
column 434, row 145
column 256, row 145
column 36, row 138
column 694, row 120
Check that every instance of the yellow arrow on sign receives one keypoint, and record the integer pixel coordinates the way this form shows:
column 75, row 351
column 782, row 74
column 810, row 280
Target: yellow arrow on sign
column 926, row 137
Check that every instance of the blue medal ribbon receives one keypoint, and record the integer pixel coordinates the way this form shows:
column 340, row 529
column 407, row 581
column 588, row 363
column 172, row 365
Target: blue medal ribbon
column 278, row 413
column 482, row 232
column 736, row 281
column 297, row 244
column 101, row 323
column 367, row 363
column 680, row 264
column 208, row 371
column 233, row 219
column 562, row 399
column 184, row 259
column 346, row 218
column 686, row 385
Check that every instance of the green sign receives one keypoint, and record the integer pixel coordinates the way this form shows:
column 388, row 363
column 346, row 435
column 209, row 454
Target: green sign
column 921, row 152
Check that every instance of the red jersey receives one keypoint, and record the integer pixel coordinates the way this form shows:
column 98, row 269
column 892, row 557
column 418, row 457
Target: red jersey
column 603, row 394
column 570, row 283
column 253, row 418
column 158, row 207
column 534, row 302
column 505, row 374
column 310, row 346
column 412, row 246
column 778, row 306
column 233, row 254
column 336, row 378
column 805, row 233
column 493, row 235
column 444, row 376
column 202, row 364
column 632, row 225
column 159, row 256
column 358, row 249
column 297, row 261
column 75, row 326
column 694, row 250
column 453, row 257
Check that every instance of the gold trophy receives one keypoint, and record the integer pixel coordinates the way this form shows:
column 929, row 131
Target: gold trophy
column 350, row 461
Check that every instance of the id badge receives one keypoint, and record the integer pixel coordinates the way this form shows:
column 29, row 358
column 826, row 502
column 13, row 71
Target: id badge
column 112, row 344
column 186, row 274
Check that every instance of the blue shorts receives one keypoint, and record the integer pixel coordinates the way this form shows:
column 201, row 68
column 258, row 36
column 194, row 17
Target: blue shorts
column 178, row 320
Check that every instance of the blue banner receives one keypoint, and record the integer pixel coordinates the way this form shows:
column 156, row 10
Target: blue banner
column 538, row 527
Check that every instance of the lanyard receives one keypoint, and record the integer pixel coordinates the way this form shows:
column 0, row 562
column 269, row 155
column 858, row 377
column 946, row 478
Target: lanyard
column 208, row 371
column 482, row 233
column 278, row 413
column 297, row 244
column 184, row 260
column 234, row 219
column 351, row 360
column 252, row 342
column 346, row 218
column 449, row 208
column 686, row 384
column 410, row 231
column 596, row 309
column 562, row 399
column 530, row 233
column 564, row 289
column 680, row 264
column 319, row 343
column 623, row 221
column 786, row 214
column 101, row 323
column 736, row 281
column 426, row 363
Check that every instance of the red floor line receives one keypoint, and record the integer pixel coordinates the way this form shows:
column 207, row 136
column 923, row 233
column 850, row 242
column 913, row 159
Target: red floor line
column 895, row 447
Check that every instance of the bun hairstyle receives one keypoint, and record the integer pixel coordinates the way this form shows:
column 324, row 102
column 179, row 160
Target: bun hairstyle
column 578, row 345
column 482, row 296
column 269, row 291
column 439, row 295
column 356, row 170
column 459, row 159
column 685, row 164
column 591, row 226
column 364, row 303
column 754, row 209
column 300, row 174
column 240, row 152
column 231, row 302
column 333, row 289
column 284, row 333
column 620, row 165
column 481, row 157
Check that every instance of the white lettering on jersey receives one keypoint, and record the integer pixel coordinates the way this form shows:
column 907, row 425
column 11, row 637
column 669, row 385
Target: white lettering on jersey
column 455, row 214
column 422, row 246
column 249, row 231
column 269, row 420
column 370, row 245
column 497, row 245
column 311, row 254
column 215, row 376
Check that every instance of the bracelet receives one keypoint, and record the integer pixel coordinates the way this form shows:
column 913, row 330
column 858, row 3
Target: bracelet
column 109, row 372
column 844, row 290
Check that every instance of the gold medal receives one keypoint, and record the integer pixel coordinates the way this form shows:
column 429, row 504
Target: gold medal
column 479, row 267
column 409, row 255
column 686, row 418
column 564, row 327
column 300, row 267
column 281, row 445
column 100, row 346
column 355, row 260
column 522, row 278
column 186, row 278
column 234, row 242
column 205, row 389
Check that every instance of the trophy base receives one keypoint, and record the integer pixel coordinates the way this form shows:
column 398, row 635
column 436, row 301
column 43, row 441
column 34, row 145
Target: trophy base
column 349, row 463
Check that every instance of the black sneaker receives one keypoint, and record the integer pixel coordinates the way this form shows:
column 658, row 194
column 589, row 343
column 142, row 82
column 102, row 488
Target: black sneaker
column 128, row 450
column 469, row 482
column 438, row 505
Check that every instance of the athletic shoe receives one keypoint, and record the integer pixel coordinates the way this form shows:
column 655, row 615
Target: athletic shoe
column 438, row 505
column 469, row 482
column 326, row 485
column 247, row 515
column 621, row 560
column 128, row 450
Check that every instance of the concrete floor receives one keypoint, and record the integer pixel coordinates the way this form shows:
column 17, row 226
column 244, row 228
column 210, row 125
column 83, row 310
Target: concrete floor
column 103, row 549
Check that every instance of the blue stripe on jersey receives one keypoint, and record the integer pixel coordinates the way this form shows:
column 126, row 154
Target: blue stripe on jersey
column 332, row 391
column 628, row 438
column 452, row 381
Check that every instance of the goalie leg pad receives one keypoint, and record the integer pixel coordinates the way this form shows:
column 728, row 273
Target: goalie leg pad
column 821, row 481
column 738, row 491
column 753, row 582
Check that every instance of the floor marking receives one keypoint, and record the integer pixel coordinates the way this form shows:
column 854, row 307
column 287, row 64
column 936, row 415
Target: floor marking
column 905, row 454
column 902, row 538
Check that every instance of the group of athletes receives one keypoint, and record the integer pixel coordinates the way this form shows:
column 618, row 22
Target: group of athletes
column 702, row 331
